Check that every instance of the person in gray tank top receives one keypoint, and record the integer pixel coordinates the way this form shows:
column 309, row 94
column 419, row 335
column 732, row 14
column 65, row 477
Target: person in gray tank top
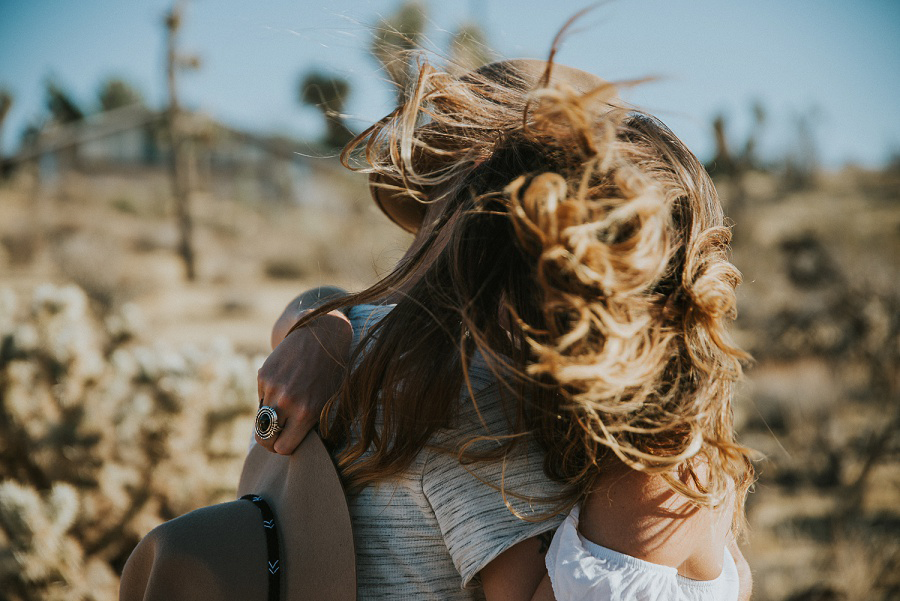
column 558, row 320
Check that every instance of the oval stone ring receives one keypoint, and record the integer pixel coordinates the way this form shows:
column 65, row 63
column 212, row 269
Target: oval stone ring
column 267, row 423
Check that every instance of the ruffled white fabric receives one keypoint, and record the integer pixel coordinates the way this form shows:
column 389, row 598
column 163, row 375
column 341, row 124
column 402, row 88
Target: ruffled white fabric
column 584, row 571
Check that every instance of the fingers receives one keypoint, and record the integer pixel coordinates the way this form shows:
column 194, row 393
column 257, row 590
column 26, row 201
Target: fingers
column 295, row 420
column 267, row 443
column 260, row 387
column 294, row 432
column 299, row 377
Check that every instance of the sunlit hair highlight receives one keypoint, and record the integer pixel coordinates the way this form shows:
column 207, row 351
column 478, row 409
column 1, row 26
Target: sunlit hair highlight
column 581, row 249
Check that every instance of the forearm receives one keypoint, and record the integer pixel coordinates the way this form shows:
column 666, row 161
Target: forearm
column 517, row 573
column 544, row 590
column 310, row 299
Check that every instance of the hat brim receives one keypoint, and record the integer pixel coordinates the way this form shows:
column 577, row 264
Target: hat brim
column 396, row 202
column 218, row 553
column 308, row 499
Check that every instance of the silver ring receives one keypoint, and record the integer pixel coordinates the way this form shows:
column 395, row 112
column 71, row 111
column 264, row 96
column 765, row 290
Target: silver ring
column 266, row 423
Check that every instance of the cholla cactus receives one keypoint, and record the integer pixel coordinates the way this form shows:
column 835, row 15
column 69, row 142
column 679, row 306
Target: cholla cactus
column 103, row 437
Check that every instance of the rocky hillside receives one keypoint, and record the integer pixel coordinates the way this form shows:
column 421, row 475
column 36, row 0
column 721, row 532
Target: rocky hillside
column 110, row 361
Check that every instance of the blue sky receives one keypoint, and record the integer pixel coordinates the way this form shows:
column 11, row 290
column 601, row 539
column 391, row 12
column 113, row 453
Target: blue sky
column 838, row 61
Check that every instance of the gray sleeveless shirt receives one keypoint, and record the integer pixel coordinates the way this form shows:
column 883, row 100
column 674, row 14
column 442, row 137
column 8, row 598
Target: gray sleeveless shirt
column 428, row 532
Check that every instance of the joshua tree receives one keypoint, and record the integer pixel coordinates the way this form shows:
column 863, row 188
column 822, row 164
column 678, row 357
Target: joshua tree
column 328, row 93
column 733, row 163
column 179, row 154
column 399, row 35
column 62, row 107
column 395, row 39
column 6, row 100
column 802, row 162
column 116, row 93
column 469, row 50
column 63, row 111
column 730, row 161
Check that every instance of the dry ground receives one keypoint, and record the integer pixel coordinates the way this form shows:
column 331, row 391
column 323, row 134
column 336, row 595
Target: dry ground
column 819, row 310
column 116, row 237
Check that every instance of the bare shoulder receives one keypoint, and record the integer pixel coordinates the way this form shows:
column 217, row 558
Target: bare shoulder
column 639, row 515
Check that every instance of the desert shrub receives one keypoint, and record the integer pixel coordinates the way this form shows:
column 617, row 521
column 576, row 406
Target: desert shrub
column 285, row 269
column 102, row 437
column 828, row 400
column 20, row 246
column 123, row 204
column 80, row 255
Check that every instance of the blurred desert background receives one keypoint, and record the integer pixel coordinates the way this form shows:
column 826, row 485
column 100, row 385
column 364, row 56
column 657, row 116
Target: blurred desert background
column 147, row 246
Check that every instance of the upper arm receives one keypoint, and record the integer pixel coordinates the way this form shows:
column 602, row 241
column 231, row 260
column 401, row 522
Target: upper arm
column 488, row 510
column 516, row 573
column 480, row 524
column 744, row 575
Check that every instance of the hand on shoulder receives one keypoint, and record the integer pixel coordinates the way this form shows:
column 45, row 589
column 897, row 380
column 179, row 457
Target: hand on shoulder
column 305, row 368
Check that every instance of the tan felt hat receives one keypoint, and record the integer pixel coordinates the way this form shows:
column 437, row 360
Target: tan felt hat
column 219, row 553
column 404, row 209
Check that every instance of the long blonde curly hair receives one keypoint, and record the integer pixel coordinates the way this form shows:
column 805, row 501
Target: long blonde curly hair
column 582, row 249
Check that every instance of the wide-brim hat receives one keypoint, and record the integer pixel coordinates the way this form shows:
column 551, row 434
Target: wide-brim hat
column 219, row 553
column 401, row 205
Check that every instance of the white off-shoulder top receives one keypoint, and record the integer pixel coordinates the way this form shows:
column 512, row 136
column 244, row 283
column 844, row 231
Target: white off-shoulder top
column 581, row 570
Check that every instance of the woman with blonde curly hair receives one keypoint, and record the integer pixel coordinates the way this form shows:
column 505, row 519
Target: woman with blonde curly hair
column 555, row 339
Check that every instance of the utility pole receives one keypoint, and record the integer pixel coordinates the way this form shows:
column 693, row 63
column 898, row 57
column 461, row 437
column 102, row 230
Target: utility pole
column 181, row 185
column 6, row 101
